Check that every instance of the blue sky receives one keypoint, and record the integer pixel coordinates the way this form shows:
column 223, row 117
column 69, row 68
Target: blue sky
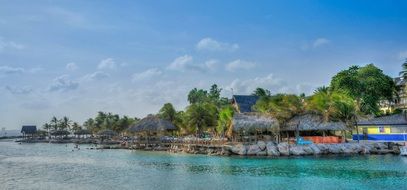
column 75, row 58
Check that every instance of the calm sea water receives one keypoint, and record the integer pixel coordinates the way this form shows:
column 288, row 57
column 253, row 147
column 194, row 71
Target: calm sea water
column 53, row 166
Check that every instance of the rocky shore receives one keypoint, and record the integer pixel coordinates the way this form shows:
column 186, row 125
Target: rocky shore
column 272, row 149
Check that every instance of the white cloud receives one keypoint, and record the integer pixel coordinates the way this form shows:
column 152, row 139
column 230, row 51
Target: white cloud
column 108, row 63
column 320, row 42
column 18, row 91
column 62, row 84
column 7, row 70
column 10, row 45
column 403, row 55
column 153, row 72
column 210, row 44
column 98, row 75
column 239, row 65
column 249, row 85
column 185, row 63
column 71, row 66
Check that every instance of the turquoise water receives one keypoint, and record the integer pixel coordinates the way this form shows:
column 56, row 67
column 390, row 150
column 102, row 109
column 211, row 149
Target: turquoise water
column 54, row 166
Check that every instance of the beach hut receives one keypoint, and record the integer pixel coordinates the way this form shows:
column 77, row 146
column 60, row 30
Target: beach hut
column 82, row 132
column 313, row 127
column 390, row 128
column 151, row 127
column 107, row 133
column 59, row 133
column 28, row 131
column 251, row 127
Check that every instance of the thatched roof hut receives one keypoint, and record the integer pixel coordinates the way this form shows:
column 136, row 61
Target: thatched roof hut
column 29, row 129
column 152, row 124
column 253, row 121
column 107, row 133
column 312, row 122
column 60, row 133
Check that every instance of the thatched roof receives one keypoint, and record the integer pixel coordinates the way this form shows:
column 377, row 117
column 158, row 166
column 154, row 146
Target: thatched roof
column 82, row 132
column 312, row 122
column 29, row 129
column 107, row 133
column 152, row 124
column 60, row 133
column 252, row 121
column 245, row 102
column 390, row 120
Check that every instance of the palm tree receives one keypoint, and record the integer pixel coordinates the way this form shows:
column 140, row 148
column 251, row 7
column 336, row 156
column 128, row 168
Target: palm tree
column 403, row 72
column 168, row 112
column 54, row 123
column 225, row 121
column 76, row 127
column 65, row 123
column 47, row 127
column 261, row 92
column 201, row 116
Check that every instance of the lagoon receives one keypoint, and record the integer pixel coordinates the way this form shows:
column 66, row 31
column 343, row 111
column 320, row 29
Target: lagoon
column 56, row 166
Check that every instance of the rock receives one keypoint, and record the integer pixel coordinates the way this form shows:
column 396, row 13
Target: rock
column 380, row 146
column 283, row 148
column 272, row 149
column 239, row 149
column 315, row 149
column 262, row 145
column 297, row 150
column 308, row 150
column 334, row 149
column 253, row 150
column 323, row 148
column 261, row 153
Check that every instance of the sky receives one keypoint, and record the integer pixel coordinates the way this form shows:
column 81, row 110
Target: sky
column 74, row 58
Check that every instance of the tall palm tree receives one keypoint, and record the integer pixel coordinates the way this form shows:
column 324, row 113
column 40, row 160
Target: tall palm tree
column 54, row 123
column 65, row 123
column 47, row 127
column 225, row 121
column 403, row 72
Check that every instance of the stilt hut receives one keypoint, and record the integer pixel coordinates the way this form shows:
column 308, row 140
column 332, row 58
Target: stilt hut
column 28, row 131
column 150, row 129
column 312, row 127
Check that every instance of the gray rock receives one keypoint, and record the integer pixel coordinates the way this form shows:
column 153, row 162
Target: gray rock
column 308, row 150
column 262, row 145
column 239, row 149
column 334, row 148
column 253, row 150
column 272, row 149
column 283, row 148
column 315, row 149
column 297, row 150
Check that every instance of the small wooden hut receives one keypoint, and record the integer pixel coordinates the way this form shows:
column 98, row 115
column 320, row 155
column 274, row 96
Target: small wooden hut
column 28, row 131
column 151, row 128
column 312, row 127
column 251, row 127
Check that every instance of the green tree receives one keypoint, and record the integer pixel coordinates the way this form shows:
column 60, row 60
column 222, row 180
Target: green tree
column 403, row 72
column 261, row 92
column 65, row 123
column 201, row 116
column 168, row 112
column 90, row 125
column 225, row 121
column 54, row 123
column 368, row 85
column 197, row 96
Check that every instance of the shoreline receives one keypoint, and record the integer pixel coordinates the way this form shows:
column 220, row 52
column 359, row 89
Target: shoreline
column 259, row 149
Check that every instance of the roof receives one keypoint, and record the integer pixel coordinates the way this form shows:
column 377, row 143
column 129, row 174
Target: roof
column 29, row 129
column 245, row 102
column 107, row 132
column 313, row 122
column 390, row 120
column 252, row 121
column 152, row 123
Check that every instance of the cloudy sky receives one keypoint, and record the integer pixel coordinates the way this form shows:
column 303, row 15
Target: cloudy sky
column 77, row 57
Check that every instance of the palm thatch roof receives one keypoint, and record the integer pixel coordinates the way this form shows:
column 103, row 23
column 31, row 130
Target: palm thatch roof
column 152, row 124
column 29, row 129
column 390, row 120
column 245, row 102
column 107, row 133
column 60, row 133
column 82, row 132
column 313, row 122
column 252, row 121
